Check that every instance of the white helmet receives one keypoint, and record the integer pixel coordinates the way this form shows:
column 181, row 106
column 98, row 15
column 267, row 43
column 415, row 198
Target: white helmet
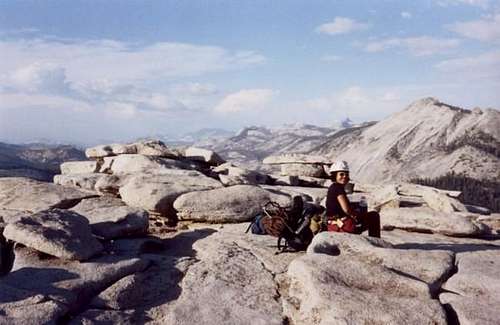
column 338, row 166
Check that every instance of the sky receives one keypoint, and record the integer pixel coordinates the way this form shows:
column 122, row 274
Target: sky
column 98, row 71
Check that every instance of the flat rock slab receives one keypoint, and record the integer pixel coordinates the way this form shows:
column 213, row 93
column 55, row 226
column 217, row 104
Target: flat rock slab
column 24, row 194
column 422, row 219
column 149, row 148
column 310, row 170
column 228, row 285
column 110, row 218
column 157, row 285
column 471, row 311
column 477, row 276
column 475, row 288
column 297, row 159
column 69, row 282
column 56, row 232
column 79, row 167
column 326, row 289
column 157, row 192
column 18, row 306
column 230, row 204
column 431, row 267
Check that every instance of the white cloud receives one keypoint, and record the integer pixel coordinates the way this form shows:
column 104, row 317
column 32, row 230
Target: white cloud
column 245, row 100
column 39, row 77
column 341, row 25
column 487, row 30
column 331, row 58
column 417, row 46
column 486, row 65
column 406, row 14
column 119, row 62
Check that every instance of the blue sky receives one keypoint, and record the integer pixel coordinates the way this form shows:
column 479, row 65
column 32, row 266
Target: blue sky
column 92, row 71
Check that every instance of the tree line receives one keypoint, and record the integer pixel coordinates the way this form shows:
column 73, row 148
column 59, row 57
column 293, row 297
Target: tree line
column 483, row 192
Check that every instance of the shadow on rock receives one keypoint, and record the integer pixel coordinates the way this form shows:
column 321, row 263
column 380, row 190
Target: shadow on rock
column 456, row 248
column 159, row 284
column 39, row 281
column 182, row 244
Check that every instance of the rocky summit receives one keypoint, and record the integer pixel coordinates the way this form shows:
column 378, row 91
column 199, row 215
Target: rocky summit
column 143, row 233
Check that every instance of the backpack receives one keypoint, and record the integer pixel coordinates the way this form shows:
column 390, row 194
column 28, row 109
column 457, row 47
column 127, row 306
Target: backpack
column 290, row 225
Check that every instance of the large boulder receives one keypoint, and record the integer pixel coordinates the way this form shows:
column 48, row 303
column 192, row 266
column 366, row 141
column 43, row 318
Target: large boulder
column 24, row 194
column 431, row 267
column 69, row 282
column 204, row 155
column 230, row 204
column 423, row 219
column 56, row 232
column 325, row 289
column 79, row 167
column 157, row 192
column 297, row 158
column 83, row 181
column 149, row 148
column 110, row 218
column 311, row 170
column 133, row 163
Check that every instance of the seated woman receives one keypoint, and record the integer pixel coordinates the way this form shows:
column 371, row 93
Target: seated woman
column 339, row 210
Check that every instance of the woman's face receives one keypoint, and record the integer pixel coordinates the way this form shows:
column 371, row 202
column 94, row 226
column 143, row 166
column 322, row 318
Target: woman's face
column 342, row 178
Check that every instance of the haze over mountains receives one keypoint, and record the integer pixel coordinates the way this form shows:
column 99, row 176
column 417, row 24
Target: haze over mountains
column 427, row 139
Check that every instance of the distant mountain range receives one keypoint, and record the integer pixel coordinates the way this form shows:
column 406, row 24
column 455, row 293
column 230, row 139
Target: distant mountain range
column 38, row 161
column 428, row 139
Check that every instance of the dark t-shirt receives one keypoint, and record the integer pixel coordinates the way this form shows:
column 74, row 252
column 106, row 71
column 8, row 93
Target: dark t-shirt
column 333, row 207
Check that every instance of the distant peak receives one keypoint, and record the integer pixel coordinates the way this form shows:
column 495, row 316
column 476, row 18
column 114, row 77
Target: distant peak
column 433, row 102
column 427, row 101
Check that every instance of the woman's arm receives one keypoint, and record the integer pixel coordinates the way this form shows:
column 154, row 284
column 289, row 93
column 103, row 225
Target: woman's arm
column 346, row 207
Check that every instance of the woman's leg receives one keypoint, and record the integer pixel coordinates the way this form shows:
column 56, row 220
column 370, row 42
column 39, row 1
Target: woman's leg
column 370, row 221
